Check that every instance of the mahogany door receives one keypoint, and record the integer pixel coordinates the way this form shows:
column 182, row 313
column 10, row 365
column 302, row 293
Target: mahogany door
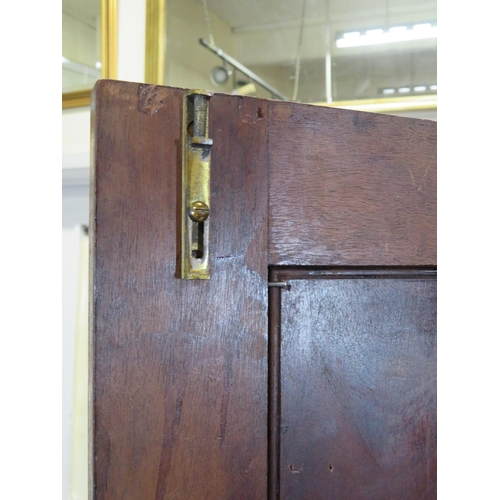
column 305, row 367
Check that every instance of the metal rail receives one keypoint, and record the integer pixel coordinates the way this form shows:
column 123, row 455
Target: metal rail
column 243, row 69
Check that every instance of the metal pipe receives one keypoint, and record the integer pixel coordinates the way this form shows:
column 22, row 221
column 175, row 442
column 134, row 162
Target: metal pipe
column 243, row 69
column 328, row 57
column 297, row 59
column 328, row 78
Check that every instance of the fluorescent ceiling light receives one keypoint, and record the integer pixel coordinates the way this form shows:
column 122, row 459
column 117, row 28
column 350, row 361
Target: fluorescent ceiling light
column 395, row 34
column 397, row 29
column 408, row 89
column 422, row 26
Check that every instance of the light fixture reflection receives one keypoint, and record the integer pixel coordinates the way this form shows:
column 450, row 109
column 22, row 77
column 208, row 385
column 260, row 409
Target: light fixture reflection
column 407, row 89
column 220, row 75
column 374, row 32
column 378, row 36
column 422, row 26
column 397, row 29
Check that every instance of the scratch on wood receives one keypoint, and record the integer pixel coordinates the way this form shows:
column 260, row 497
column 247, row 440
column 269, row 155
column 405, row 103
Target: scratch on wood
column 425, row 173
column 412, row 179
column 169, row 433
column 103, row 459
column 152, row 98
column 223, row 417
column 247, row 112
column 225, row 401
column 178, row 410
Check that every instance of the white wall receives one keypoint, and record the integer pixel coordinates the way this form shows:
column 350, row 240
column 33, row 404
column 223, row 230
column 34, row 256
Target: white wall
column 75, row 138
column 71, row 253
column 75, row 253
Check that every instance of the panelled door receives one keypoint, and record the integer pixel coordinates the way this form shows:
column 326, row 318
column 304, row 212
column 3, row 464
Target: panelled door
column 305, row 367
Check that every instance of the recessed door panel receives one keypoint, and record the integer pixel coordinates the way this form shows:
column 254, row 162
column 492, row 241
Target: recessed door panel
column 358, row 382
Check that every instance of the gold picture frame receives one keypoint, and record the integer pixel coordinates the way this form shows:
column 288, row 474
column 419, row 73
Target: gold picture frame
column 109, row 15
column 387, row 104
column 154, row 68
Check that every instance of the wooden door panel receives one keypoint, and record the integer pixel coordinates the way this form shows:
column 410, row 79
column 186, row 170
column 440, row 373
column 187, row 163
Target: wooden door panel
column 358, row 379
column 179, row 367
column 350, row 188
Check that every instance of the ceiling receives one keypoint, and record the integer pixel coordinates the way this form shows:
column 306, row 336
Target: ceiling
column 267, row 34
column 86, row 11
column 266, row 14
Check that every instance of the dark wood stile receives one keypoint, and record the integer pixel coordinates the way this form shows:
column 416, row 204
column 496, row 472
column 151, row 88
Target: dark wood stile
column 179, row 367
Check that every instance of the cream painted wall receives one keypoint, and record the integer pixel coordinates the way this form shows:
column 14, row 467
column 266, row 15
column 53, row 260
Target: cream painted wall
column 75, row 138
column 131, row 40
column 70, row 258
column 188, row 64
column 80, row 40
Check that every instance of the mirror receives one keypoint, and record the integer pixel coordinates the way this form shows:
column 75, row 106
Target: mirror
column 362, row 54
column 88, row 48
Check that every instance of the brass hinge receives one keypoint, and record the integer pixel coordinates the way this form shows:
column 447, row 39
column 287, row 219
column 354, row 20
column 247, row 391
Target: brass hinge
column 196, row 151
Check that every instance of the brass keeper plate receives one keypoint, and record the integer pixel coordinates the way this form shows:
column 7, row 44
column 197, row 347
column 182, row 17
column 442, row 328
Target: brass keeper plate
column 196, row 155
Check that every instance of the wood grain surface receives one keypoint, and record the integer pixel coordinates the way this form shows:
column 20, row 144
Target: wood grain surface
column 179, row 368
column 350, row 188
column 358, row 374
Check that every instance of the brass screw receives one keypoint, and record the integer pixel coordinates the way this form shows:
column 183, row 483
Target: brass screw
column 199, row 211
